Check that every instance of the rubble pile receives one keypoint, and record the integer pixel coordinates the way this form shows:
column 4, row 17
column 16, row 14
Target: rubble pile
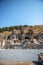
column 29, row 40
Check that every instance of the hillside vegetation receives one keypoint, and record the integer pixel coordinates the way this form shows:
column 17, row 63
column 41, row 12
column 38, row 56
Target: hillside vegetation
column 7, row 30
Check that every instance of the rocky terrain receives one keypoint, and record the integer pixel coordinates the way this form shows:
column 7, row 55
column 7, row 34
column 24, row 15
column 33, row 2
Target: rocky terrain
column 27, row 37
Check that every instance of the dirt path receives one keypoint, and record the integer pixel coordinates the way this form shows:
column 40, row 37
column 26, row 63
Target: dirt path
column 18, row 63
column 15, row 63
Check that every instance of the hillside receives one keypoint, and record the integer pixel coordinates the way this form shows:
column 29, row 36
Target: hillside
column 8, row 30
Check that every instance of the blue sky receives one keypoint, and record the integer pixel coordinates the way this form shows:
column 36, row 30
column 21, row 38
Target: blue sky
column 21, row 12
